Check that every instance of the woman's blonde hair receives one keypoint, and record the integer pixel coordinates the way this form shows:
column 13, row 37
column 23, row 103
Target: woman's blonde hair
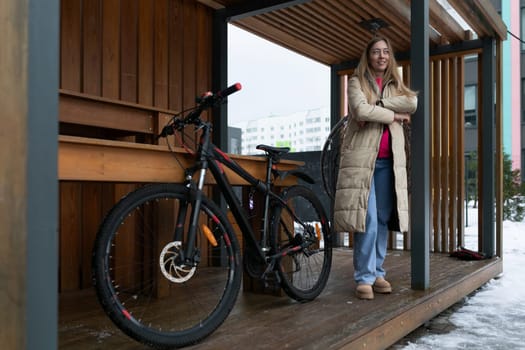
column 366, row 76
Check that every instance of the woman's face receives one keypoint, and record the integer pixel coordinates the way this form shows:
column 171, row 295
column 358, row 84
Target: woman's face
column 379, row 57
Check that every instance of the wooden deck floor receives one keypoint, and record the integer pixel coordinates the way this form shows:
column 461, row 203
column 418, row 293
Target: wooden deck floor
column 335, row 320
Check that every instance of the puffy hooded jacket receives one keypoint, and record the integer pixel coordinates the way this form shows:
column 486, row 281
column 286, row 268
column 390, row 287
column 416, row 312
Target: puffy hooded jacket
column 359, row 149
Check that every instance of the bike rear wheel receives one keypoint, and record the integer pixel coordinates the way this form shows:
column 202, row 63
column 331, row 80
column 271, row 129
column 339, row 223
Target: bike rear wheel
column 330, row 157
column 300, row 220
column 139, row 276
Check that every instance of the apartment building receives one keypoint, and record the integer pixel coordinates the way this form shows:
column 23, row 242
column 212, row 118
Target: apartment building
column 303, row 131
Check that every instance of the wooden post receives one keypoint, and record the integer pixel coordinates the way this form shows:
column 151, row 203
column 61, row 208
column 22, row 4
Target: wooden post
column 28, row 190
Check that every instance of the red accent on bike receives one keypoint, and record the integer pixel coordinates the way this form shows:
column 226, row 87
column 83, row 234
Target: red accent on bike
column 219, row 164
column 227, row 240
column 294, row 249
column 215, row 219
column 127, row 314
column 224, row 155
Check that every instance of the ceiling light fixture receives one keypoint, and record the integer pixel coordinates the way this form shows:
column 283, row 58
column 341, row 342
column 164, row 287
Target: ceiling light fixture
column 373, row 24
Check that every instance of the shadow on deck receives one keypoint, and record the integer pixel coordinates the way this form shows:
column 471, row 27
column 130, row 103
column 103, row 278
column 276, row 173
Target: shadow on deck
column 335, row 320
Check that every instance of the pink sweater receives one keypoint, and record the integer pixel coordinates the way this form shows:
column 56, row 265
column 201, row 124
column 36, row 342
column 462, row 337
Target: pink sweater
column 385, row 151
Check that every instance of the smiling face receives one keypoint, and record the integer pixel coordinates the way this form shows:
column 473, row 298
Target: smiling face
column 379, row 58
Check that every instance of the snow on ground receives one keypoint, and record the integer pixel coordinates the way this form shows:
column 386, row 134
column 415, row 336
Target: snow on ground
column 493, row 317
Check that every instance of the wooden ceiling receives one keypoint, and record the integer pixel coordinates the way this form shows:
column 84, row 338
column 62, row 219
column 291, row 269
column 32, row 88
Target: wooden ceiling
column 330, row 31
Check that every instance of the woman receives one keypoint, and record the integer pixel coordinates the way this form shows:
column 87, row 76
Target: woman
column 371, row 193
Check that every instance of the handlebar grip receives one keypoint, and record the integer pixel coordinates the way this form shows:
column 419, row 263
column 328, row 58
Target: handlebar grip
column 229, row 90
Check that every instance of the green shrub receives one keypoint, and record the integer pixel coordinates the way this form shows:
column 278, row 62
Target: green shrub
column 513, row 188
column 513, row 192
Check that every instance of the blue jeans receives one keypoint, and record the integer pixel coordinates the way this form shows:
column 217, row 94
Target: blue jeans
column 370, row 246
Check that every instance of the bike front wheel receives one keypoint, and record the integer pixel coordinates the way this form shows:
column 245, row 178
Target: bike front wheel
column 143, row 279
column 301, row 235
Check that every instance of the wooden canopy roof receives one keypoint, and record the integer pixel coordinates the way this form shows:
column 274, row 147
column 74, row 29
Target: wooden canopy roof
column 335, row 31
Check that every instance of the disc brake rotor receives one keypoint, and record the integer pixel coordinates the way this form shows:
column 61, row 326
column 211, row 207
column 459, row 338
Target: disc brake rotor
column 171, row 266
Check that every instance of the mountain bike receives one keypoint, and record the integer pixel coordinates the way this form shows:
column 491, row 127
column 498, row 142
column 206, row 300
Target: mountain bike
column 167, row 263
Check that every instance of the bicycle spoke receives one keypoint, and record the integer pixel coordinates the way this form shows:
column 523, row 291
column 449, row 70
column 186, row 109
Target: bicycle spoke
column 144, row 284
column 306, row 260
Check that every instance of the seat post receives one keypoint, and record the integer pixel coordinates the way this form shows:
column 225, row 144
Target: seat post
column 269, row 165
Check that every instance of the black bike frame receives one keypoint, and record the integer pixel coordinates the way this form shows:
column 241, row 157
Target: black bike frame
column 211, row 157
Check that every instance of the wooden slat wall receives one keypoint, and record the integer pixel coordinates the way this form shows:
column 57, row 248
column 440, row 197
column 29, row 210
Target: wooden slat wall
column 156, row 53
column 447, row 149
column 151, row 53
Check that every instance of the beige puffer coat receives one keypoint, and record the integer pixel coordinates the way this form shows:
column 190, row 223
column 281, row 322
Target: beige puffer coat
column 359, row 149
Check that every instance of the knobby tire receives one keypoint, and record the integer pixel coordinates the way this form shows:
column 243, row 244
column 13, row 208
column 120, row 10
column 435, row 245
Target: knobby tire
column 135, row 292
column 303, row 273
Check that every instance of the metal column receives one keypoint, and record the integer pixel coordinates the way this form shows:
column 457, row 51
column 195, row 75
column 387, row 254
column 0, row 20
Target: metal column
column 420, row 146
column 42, row 185
column 487, row 155
column 220, row 77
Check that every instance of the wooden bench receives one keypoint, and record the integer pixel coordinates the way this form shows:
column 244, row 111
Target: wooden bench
column 99, row 112
column 106, row 150
column 116, row 159
column 87, row 159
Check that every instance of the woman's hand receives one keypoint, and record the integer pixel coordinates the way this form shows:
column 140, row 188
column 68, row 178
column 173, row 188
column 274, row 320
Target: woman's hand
column 402, row 118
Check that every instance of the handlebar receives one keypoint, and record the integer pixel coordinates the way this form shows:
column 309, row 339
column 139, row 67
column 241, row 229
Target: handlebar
column 207, row 100
column 229, row 90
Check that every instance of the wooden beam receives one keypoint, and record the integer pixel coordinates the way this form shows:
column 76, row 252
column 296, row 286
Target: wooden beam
column 400, row 11
column 254, row 8
column 86, row 159
column 449, row 27
column 85, row 109
column 28, row 189
column 460, row 125
column 298, row 25
column 282, row 38
column 469, row 16
column 491, row 17
column 13, row 156
column 106, row 115
column 481, row 17
column 336, row 16
column 325, row 27
column 212, row 3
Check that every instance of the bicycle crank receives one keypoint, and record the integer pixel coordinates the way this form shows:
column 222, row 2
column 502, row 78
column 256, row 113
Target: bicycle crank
column 171, row 265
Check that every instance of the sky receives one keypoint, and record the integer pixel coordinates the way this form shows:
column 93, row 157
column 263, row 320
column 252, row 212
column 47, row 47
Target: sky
column 275, row 80
column 494, row 316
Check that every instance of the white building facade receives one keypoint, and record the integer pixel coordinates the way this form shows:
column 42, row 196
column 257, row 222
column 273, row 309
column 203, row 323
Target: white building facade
column 303, row 131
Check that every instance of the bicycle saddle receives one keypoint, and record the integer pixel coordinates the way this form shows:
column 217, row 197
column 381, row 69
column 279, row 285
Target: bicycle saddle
column 274, row 152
